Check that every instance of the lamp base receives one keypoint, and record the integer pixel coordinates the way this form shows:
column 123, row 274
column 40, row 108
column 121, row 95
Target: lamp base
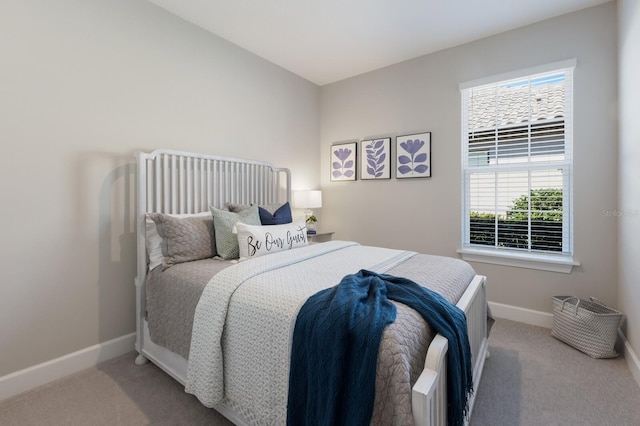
column 311, row 228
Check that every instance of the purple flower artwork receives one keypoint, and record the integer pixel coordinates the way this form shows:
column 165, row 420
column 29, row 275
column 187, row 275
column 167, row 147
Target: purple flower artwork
column 343, row 161
column 375, row 159
column 413, row 155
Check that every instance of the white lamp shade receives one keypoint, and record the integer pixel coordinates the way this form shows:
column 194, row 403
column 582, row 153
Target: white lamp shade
column 307, row 199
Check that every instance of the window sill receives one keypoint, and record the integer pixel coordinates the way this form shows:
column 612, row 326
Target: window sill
column 563, row 264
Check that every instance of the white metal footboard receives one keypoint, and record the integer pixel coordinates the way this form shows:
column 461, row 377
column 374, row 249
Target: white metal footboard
column 429, row 395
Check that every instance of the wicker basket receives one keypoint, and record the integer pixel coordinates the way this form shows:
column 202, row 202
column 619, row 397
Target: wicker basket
column 588, row 325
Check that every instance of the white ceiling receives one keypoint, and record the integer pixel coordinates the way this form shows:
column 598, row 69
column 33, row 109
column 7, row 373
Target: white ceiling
column 329, row 40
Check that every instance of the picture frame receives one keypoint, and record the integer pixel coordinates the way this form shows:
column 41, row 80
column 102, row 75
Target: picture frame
column 375, row 159
column 413, row 156
column 343, row 161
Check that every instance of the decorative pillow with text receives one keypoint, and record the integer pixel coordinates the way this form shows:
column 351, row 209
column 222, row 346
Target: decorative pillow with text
column 255, row 241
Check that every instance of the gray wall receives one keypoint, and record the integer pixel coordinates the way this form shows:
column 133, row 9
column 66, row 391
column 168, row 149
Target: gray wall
column 83, row 85
column 422, row 95
column 629, row 172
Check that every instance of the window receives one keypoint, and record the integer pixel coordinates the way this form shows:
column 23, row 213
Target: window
column 517, row 167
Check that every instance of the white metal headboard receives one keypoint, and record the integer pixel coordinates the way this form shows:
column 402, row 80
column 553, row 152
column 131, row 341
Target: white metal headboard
column 182, row 182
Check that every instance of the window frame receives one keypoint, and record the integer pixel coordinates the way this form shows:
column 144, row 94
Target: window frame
column 541, row 260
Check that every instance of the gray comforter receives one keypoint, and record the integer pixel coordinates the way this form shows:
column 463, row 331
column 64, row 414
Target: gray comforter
column 172, row 296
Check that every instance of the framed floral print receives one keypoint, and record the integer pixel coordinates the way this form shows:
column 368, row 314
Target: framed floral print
column 375, row 159
column 343, row 161
column 413, row 156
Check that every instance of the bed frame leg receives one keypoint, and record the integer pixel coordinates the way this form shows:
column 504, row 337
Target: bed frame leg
column 488, row 354
column 141, row 360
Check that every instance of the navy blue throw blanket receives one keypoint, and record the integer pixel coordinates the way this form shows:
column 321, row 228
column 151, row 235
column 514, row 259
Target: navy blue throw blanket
column 335, row 349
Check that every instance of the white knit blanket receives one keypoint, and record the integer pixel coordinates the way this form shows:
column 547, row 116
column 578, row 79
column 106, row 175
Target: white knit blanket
column 241, row 341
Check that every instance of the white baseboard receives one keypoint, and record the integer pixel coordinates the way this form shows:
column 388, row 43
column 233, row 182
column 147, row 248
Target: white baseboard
column 524, row 315
column 630, row 356
column 32, row 377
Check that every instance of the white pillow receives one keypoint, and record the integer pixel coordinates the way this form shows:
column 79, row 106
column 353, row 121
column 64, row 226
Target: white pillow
column 256, row 240
column 154, row 240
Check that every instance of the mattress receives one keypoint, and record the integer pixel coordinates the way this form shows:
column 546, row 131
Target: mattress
column 173, row 295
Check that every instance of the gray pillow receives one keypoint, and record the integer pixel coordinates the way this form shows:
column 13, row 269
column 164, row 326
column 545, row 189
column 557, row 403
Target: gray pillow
column 185, row 239
column 237, row 208
column 223, row 221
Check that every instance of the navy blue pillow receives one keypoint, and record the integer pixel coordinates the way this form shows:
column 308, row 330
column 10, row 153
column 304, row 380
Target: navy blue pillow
column 281, row 216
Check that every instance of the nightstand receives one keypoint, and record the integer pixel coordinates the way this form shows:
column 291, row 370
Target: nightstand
column 320, row 237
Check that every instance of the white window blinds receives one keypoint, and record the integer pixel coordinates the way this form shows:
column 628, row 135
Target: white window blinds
column 517, row 163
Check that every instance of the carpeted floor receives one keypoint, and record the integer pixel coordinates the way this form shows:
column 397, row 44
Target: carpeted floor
column 533, row 379
column 530, row 379
column 115, row 393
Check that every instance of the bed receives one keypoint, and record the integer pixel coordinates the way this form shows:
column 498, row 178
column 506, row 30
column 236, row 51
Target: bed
column 177, row 295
